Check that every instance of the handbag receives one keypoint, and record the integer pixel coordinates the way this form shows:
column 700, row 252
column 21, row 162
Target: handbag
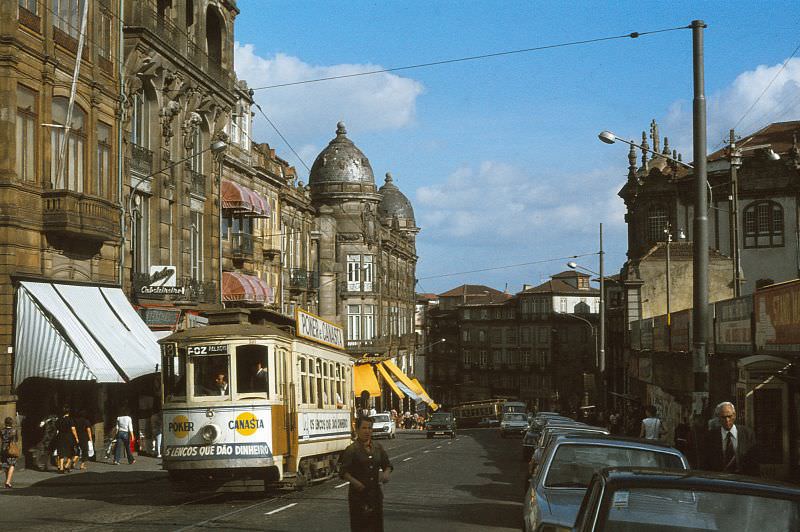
column 12, row 451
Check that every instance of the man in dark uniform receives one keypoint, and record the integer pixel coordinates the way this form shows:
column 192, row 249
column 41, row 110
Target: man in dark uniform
column 729, row 447
column 365, row 465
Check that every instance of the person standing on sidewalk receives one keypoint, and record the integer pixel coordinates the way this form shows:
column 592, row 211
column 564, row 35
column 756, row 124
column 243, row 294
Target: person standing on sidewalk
column 365, row 465
column 66, row 440
column 652, row 428
column 84, row 428
column 124, row 431
column 7, row 461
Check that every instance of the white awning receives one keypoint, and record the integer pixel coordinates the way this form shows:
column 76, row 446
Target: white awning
column 74, row 332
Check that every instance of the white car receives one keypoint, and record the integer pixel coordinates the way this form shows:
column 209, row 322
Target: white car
column 383, row 426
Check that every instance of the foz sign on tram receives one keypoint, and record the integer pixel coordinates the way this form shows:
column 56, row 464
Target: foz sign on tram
column 254, row 404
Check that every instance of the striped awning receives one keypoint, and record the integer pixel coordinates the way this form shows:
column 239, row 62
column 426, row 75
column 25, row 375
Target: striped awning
column 242, row 199
column 246, row 288
column 71, row 332
column 412, row 388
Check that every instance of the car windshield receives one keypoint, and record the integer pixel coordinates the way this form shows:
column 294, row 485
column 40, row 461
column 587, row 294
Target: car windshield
column 381, row 418
column 673, row 509
column 515, row 417
column 573, row 465
column 440, row 417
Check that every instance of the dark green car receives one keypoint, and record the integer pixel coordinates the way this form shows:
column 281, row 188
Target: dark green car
column 441, row 424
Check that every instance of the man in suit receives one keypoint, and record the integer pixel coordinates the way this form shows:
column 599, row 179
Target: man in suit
column 729, row 447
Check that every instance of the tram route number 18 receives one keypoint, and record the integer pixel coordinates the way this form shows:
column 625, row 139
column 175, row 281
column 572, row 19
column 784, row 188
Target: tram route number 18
column 207, row 349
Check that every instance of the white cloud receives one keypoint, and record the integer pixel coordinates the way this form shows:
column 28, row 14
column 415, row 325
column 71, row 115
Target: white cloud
column 781, row 102
column 496, row 204
column 375, row 102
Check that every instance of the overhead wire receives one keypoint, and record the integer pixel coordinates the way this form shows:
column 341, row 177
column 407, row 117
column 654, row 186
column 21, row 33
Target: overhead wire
column 271, row 123
column 632, row 35
column 507, row 266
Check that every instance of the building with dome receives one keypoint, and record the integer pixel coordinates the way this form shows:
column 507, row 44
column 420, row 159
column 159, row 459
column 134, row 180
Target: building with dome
column 366, row 252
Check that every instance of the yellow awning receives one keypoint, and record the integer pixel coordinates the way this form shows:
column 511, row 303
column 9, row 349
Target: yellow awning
column 388, row 380
column 410, row 384
column 364, row 379
column 422, row 393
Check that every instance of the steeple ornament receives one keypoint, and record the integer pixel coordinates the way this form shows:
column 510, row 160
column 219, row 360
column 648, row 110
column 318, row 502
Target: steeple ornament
column 654, row 135
column 645, row 149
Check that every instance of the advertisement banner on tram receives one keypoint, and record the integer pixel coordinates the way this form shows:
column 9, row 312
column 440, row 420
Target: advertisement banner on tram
column 218, row 433
column 318, row 425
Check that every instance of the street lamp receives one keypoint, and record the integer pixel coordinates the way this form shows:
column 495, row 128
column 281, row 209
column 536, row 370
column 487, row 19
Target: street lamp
column 217, row 147
column 700, row 240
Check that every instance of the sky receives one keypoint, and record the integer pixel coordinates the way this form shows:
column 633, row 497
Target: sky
column 500, row 156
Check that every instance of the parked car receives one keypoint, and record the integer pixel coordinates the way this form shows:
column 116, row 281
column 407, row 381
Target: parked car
column 441, row 424
column 383, row 426
column 489, row 422
column 551, row 431
column 513, row 425
column 643, row 499
column 556, row 489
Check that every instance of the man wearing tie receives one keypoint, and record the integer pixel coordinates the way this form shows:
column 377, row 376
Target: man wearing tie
column 730, row 448
column 220, row 384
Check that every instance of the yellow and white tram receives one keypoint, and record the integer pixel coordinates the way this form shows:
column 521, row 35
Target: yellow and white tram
column 248, row 404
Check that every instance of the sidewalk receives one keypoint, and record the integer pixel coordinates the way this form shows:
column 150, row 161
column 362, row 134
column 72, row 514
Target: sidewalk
column 143, row 470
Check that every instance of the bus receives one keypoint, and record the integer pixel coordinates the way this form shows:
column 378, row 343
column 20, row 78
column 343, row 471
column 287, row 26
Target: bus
column 248, row 406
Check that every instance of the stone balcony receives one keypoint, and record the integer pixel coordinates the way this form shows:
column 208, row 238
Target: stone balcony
column 76, row 215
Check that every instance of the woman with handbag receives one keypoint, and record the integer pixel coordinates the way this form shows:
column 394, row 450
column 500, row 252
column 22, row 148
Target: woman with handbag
column 9, row 449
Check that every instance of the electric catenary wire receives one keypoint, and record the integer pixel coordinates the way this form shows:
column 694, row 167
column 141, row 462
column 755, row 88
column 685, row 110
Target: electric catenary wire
column 507, row 266
column 632, row 35
column 282, row 137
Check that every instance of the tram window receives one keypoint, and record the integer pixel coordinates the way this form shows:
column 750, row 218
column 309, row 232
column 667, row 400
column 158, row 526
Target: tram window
column 252, row 369
column 303, row 383
column 211, row 375
column 174, row 373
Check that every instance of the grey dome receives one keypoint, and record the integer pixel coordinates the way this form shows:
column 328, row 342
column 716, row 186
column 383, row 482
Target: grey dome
column 341, row 161
column 394, row 203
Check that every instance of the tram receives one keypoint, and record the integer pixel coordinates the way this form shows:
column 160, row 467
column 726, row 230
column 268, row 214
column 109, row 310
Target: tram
column 249, row 403
column 472, row 413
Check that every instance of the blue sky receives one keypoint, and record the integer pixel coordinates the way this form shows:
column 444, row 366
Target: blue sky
column 500, row 156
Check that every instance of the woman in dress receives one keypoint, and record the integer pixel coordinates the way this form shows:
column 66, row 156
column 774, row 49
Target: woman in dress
column 7, row 435
column 66, row 440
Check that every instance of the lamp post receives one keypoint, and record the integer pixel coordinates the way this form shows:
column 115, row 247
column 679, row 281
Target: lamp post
column 700, row 240
column 216, row 147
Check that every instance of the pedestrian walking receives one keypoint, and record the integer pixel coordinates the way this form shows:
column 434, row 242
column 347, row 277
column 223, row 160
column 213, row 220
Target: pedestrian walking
column 365, row 465
column 652, row 427
column 66, row 440
column 9, row 450
column 124, row 432
column 84, row 429
column 156, row 429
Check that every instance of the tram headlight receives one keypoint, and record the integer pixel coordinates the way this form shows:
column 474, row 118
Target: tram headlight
column 209, row 433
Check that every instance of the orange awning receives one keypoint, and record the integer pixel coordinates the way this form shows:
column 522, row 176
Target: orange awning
column 388, row 380
column 364, row 379
column 248, row 288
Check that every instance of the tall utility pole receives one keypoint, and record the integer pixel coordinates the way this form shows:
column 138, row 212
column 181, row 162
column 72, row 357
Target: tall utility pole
column 668, row 232
column 734, row 217
column 700, row 248
column 602, row 312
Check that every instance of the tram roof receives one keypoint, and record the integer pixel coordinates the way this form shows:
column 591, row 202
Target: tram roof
column 228, row 330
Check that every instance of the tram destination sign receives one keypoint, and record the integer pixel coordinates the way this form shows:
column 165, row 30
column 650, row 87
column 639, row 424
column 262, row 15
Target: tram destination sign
column 316, row 329
column 210, row 349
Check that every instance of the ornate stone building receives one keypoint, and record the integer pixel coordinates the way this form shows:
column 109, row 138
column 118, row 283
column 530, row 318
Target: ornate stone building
column 366, row 252
column 59, row 201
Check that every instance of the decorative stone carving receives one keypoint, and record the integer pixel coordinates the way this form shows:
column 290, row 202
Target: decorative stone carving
column 167, row 114
column 348, row 237
column 190, row 126
column 368, row 224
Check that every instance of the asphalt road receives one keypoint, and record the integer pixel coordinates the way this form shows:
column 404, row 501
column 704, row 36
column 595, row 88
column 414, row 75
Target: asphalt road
column 473, row 482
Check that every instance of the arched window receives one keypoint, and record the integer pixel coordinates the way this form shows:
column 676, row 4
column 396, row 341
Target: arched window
column 763, row 225
column 214, row 32
column 72, row 172
column 140, row 120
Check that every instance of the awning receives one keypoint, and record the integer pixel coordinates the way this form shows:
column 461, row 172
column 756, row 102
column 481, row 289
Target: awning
column 409, row 392
column 364, row 379
column 409, row 385
column 71, row 332
column 422, row 393
column 248, row 288
column 243, row 199
column 388, row 380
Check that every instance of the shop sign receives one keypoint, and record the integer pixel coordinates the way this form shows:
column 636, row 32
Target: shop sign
column 160, row 317
column 733, row 332
column 316, row 329
column 777, row 311
column 162, row 281
column 681, row 330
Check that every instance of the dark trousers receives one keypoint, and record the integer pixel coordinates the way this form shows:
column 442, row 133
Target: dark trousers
column 366, row 513
column 123, row 442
